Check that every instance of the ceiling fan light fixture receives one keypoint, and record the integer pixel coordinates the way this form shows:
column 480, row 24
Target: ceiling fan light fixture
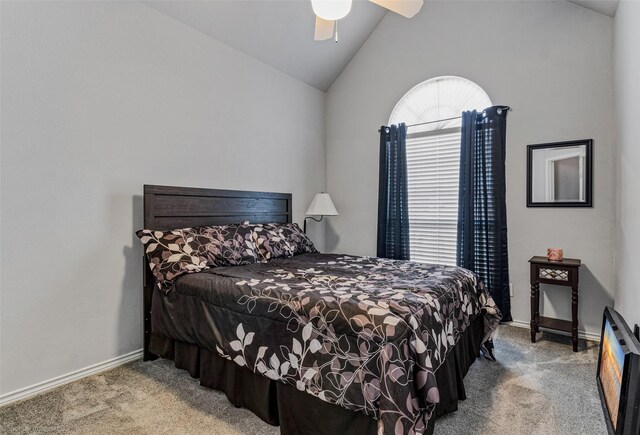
column 331, row 9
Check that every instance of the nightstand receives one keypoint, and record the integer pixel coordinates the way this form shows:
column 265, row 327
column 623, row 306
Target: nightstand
column 563, row 273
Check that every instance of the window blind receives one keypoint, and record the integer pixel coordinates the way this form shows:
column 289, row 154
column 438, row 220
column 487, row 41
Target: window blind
column 433, row 168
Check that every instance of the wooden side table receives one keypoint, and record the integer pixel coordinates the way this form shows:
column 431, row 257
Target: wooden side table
column 563, row 273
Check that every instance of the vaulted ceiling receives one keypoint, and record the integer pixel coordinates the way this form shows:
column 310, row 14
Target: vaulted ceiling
column 607, row 7
column 280, row 32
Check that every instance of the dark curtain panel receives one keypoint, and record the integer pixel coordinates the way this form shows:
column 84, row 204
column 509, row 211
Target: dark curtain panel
column 482, row 209
column 393, row 204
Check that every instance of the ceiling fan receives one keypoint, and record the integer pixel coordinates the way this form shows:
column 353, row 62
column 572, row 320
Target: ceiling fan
column 328, row 12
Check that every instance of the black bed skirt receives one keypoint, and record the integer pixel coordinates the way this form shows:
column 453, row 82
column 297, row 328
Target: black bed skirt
column 299, row 413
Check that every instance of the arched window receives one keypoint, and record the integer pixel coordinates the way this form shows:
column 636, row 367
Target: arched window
column 432, row 112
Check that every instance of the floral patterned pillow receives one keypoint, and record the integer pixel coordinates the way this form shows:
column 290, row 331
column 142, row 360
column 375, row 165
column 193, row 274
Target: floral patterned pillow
column 227, row 245
column 176, row 252
column 299, row 241
column 276, row 240
column 271, row 243
column 171, row 254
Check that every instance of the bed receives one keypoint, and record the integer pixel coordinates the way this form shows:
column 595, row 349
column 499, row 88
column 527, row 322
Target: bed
column 315, row 343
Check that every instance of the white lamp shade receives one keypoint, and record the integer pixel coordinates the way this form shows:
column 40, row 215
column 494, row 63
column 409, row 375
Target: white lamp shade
column 322, row 206
column 331, row 9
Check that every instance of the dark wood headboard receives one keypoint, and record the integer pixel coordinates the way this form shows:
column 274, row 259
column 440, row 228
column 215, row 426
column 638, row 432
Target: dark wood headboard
column 168, row 207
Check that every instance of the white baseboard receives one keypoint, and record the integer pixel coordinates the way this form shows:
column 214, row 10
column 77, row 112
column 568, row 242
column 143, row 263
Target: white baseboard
column 590, row 336
column 41, row 387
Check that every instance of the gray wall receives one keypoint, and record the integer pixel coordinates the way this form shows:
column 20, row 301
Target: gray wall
column 627, row 92
column 550, row 61
column 98, row 99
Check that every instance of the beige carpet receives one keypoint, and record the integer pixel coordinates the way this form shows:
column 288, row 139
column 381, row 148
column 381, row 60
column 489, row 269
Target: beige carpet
column 541, row 388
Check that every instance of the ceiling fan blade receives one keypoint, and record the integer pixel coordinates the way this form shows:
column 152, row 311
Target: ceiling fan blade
column 406, row 8
column 324, row 29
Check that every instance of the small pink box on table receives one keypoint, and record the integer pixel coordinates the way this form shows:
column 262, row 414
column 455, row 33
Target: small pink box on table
column 555, row 254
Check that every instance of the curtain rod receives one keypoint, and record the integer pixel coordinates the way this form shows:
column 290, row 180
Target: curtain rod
column 500, row 109
column 433, row 122
column 428, row 122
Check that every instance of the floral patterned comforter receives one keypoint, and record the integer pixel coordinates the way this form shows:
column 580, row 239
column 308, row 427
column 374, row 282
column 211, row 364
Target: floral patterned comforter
column 364, row 333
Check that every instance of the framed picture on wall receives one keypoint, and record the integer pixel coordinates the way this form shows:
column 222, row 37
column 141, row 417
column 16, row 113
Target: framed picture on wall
column 559, row 174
